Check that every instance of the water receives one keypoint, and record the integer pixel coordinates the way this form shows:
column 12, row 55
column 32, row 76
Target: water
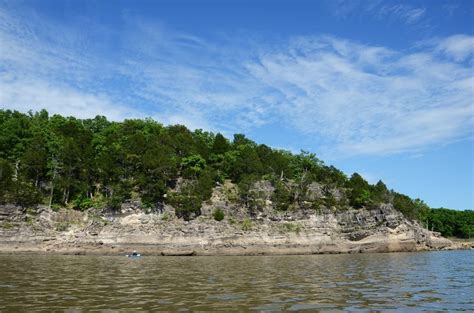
column 431, row 281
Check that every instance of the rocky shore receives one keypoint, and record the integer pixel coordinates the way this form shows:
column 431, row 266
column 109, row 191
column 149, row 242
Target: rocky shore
column 160, row 233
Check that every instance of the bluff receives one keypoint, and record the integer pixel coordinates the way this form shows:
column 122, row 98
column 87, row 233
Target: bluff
column 83, row 185
column 242, row 231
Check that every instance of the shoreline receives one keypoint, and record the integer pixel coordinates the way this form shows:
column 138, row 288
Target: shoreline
column 244, row 246
column 89, row 233
column 147, row 252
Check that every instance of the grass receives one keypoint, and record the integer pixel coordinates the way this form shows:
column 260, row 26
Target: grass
column 246, row 224
column 29, row 220
column 290, row 228
column 7, row 225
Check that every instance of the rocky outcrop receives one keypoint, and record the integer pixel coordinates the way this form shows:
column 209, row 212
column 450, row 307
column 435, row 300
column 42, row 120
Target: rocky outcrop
column 161, row 233
column 253, row 230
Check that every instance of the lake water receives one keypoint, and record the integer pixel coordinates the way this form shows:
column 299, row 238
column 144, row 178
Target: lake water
column 430, row 281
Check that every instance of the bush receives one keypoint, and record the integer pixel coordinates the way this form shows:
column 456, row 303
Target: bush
column 283, row 196
column 247, row 224
column 166, row 216
column 115, row 203
column 186, row 206
column 62, row 226
column 218, row 214
column 24, row 194
column 82, row 203
column 292, row 227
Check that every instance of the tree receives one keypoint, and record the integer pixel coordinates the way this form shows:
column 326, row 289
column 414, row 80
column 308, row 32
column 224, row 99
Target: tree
column 181, row 139
column 23, row 193
column 220, row 144
column 245, row 162
column 6, row 173
column 84, row 162
column 34, row 160
column 451, row 222
column 159, row 168
column 405, row 205
column 246, row 184
column 192, row 165
column 241, row 140
column 283, row 196
column 360, row 191
column 380, row 193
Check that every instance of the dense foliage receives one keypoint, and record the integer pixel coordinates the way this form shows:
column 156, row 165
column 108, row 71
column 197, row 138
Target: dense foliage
column 65, row 161
column 451, row 223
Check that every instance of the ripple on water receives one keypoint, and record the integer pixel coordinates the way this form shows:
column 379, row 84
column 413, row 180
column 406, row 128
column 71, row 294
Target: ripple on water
column 399, row 282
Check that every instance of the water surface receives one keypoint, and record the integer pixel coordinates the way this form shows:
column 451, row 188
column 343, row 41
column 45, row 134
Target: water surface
column 431, row 281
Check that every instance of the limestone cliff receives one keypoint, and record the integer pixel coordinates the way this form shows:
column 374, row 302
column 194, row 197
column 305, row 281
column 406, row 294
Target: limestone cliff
column 243, row 231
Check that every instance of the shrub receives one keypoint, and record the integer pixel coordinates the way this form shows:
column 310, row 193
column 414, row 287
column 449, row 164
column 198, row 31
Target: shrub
column 186, row 206
column 218, row 214
column 247, row 224
column 7, row 225
column 283, row 196
column 82, row 203
column 166, row 216
column 63, row 226
column 24, row 194
column 292, row 227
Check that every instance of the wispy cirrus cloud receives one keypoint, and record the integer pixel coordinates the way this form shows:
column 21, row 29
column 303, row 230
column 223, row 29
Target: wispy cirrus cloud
column 347, row 97
column 406, row 13
column 387, row 10
column 370, row 100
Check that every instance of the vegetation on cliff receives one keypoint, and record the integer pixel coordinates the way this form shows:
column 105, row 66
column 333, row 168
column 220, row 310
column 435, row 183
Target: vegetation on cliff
column 65, row 161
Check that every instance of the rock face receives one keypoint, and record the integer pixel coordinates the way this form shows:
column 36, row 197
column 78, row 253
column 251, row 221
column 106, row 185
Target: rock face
column 246, row 230
column 156, row 233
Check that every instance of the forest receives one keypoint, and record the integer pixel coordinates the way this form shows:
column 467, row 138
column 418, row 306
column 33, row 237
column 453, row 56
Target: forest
column 82, row 163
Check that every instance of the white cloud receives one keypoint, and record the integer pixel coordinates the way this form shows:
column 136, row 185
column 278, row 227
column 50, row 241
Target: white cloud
column 25, row 95
column 387, row 103
column 458, row 47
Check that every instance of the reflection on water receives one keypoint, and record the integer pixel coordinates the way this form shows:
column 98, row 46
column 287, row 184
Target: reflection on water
column 399, row 281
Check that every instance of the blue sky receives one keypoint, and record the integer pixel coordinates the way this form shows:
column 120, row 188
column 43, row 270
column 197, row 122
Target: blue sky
column 383, row 88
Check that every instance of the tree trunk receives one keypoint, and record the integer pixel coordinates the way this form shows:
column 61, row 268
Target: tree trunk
column 66, row 195
column 52, row 189
column 17, row 167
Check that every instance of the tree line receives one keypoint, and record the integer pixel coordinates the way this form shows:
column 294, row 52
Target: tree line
column 81, row 163
column 451, row 223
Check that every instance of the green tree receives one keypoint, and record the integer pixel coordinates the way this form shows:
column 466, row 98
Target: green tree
column 360, row 191
column 220, row 144
column 380, row 193
column 283, row 196
column 6, row 173
column 405, row 205
column 34, row 160
column 192, row 165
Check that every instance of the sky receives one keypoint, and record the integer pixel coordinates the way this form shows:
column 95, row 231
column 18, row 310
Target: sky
column 382, row 88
